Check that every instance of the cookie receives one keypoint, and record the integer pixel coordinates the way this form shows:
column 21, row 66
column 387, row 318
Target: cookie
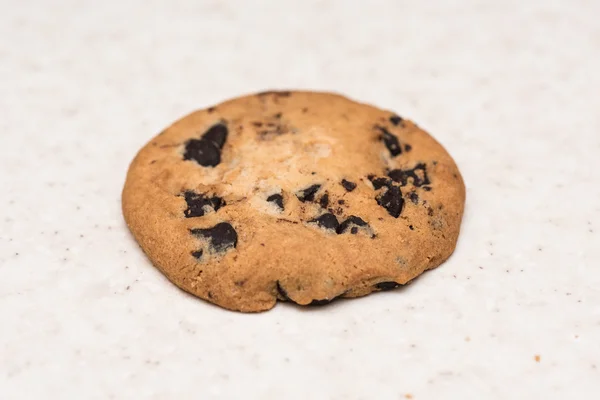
column 293, row 196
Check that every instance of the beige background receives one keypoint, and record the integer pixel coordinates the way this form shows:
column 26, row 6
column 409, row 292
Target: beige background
column 511, row 88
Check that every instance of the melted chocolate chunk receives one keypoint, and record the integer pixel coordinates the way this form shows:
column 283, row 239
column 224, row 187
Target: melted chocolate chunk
column 324, row 200
column 392, row 201
column 207, row 150
column 327, row 221
column 414, row 197
column 349, row 186
column 196, row 203
column 320, row 302
column 276, row 199
column 418, row 175
column 197, row 254
column 387, row 285
column 390, row 141
column 351, row 221
column 203, row 152
column 216, row 134
column 396, row 120
column 221, row 237
column 308, row 194
column 378, row 183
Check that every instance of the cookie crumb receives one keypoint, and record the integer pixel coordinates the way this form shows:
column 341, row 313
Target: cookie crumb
column 537, row 358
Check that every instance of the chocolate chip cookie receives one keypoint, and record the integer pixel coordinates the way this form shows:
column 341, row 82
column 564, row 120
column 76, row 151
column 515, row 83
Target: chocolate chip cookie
column 293, row 196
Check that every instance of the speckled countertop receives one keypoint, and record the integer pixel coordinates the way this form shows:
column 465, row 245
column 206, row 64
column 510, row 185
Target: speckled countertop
column 511, row 88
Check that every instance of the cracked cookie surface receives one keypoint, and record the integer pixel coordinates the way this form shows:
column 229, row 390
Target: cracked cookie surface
column 293, row 196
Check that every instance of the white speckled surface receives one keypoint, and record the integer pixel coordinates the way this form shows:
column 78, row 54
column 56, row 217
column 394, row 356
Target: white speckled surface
column 511, row 88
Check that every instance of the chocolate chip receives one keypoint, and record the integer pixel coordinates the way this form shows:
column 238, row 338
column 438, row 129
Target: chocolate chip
column 308, row 194
column 203, row 152
column 387, row 285
column 392, row 201
column 284, row 295
column 349, row 186
column 407, row 148
column 354, row 230
column 221, row 237
column 430, row 211
column 216, row 134
column 207, row 150
column 412, row 228
column 211, row 109
column 276, row 199
column 418, row 175
column 378, row 183
column 197, row 254
column 427, row 188
column 341, row 202
column 395, row 119
column 350, row 221
column 320, row 302
column 197, row 202
column 327, row 221
column 390, row 141
column 324, row 201
column 414, row 197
